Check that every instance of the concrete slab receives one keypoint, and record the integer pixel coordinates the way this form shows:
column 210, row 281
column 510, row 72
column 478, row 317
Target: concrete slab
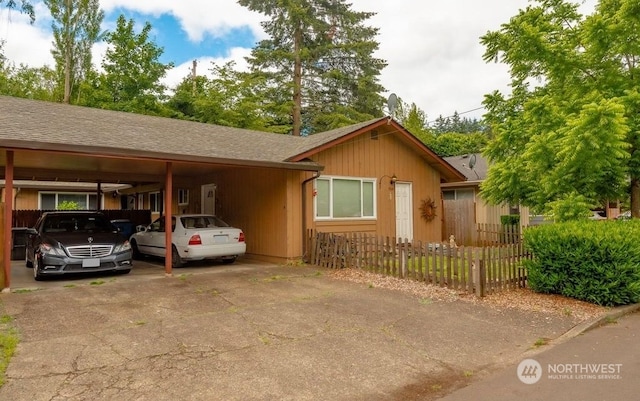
column 250, row 331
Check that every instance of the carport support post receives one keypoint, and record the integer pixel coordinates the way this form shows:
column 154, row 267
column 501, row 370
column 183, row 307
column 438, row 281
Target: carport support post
column 168, row 194
column 8, row 219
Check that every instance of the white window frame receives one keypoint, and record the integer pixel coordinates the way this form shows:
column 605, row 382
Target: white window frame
column 58, row 193
column 372, row 181
column 183, row 197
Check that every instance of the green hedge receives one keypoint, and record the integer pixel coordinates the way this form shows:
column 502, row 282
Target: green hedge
column 594, row 261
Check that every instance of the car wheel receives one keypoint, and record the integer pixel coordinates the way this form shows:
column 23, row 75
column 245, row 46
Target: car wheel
column 27, row 262
column 228, row 261
column 37, row 269
column 135, row 251
column 176, row 260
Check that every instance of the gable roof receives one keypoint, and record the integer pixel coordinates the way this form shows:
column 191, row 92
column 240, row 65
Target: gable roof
column 38, row 125
column 324, row 140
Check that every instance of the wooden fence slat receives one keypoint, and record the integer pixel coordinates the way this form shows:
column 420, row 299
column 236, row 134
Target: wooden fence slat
column 479, row 270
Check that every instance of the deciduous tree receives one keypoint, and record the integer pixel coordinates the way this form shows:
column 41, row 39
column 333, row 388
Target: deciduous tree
column 571, row 126
column 25, row 7
column 132, row 71
column 76, row 27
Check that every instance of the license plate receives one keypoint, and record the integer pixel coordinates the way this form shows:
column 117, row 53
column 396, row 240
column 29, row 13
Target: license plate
column 220, row 239
column 90, row 262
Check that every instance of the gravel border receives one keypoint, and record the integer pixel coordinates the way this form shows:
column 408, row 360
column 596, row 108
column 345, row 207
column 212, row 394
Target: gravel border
column 522, row 299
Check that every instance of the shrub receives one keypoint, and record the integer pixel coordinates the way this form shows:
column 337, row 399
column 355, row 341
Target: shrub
column 68, row 205
column 594, row 261
column 510, row 219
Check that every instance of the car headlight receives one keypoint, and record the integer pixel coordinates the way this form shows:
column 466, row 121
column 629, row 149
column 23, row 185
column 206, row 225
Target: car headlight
column 48, row 249
column 125, row 246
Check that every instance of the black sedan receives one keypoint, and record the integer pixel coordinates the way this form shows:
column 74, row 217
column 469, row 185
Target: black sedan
column 76, row 242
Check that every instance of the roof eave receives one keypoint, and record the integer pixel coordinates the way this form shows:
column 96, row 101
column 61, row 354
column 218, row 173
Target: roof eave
column 83, row 150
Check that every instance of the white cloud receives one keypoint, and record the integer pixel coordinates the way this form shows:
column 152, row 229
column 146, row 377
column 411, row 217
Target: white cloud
column 179, row 72
column 432, row 48
column 197, row 17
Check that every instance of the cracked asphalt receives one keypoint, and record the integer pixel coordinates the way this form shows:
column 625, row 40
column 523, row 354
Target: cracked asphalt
column 252, row 331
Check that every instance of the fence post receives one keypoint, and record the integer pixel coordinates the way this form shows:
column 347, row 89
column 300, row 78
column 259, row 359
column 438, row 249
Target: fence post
column 403, row 257
column 479, row 274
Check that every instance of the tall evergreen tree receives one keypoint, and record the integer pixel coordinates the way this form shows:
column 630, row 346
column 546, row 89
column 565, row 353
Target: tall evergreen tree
column 76, row 27
column 319, row 64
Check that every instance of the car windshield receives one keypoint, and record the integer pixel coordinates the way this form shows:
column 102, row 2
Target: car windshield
column 77, row 223
column 202, row 222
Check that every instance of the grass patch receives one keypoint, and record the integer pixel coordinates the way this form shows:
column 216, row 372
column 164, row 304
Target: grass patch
column 610, row 320
column 69, row 286
column 265, row 339
column 541, row 342
column 233, row 309
column 97, row 282
column 9, row 340
column 276, row 277
column 25, row 290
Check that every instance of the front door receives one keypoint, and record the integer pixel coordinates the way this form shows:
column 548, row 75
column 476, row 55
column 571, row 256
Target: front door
column 208, row 199
column 404, row 211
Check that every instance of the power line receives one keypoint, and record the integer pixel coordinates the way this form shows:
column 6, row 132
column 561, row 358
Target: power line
column 460, row 113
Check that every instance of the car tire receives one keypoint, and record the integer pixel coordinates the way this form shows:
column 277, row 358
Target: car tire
column 135, row 252
column 37, row 268
column 27, row 262
column 176, row 260
column 228, row 261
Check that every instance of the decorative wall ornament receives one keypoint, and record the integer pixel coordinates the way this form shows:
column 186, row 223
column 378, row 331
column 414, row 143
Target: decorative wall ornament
column 428, row 209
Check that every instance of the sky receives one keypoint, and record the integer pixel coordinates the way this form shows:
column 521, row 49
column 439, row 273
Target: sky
column 432, row 47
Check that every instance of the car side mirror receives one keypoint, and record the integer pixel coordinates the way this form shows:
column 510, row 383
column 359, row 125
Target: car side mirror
column 31, row 231
column 141, row 229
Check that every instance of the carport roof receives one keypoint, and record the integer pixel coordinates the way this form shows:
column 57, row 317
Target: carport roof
column 39, row 125
column 31, row 125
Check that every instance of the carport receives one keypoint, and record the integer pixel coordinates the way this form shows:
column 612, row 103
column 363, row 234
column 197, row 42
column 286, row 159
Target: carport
column 56, row 142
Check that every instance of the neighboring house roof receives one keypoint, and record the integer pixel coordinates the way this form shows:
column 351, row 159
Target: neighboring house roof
column 39, row 125
column 462, row 163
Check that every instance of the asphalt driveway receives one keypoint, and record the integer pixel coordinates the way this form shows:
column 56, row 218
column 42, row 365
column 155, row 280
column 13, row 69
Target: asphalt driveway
column 251, row 331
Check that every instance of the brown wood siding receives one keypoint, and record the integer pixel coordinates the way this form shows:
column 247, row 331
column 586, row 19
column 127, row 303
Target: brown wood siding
column 27, row 199
column 258, row 202
column 2, row 241
column 380, row 159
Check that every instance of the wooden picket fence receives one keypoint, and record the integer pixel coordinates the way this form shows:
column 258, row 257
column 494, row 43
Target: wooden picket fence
column 471, row 269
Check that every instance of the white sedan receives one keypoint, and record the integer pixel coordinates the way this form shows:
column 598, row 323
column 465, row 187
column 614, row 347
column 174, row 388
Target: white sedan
column 195, row 237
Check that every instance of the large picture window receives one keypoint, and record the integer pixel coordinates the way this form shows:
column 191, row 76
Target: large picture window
column 345, row 198
column 51, row 200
